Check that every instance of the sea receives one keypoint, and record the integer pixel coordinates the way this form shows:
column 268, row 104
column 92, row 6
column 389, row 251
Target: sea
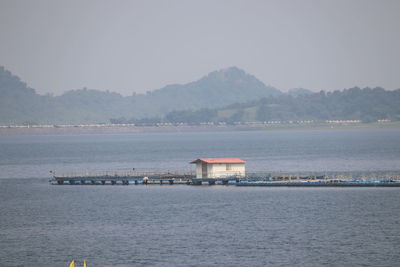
column 180, row 225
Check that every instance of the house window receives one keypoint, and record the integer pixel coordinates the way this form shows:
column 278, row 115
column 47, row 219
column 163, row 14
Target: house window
column 228, row 167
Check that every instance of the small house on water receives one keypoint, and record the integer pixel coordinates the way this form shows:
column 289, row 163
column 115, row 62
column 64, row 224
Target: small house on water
column 219, row 168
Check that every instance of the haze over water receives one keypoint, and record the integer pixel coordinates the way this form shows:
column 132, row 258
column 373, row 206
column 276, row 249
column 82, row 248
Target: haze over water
column 47, row 225
column 95, row 62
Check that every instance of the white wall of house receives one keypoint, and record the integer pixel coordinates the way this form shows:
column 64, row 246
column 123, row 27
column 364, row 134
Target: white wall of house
column 198, row 170
column 221, row 170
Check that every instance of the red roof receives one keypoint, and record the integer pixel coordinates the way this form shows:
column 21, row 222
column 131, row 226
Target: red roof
column 220, row 160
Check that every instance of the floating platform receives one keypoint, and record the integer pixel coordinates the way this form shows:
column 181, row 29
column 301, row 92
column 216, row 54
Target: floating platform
column 123, row 178
column 188, row 178
column 327, row 183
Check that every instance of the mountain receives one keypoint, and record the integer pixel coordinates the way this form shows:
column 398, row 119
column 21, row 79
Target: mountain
column 21, row 104
column 299, row 91
column 366, row 104
column 89, row 106
column 217, row 89
column 229, row 95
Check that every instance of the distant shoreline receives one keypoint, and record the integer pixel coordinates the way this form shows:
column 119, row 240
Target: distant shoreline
column 131, row 129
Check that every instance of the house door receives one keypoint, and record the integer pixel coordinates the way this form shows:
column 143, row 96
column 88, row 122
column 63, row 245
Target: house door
column 204, row 170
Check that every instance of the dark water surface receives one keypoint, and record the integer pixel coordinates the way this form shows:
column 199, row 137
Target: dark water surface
column 44, row 225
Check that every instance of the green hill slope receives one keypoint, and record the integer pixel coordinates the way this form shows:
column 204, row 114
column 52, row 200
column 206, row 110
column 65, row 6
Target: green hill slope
column 21, row 104
column 228, row 95
column 366, row 104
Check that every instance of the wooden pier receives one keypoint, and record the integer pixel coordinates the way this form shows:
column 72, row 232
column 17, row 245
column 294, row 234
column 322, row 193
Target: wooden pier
column 189, row 178
column 123, row 178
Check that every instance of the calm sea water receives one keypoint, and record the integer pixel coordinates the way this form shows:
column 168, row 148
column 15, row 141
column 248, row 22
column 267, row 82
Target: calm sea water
column 44, row 225
column 351, row 150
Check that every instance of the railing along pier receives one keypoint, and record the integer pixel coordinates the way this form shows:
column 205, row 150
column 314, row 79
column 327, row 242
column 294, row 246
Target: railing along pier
column 251, row 179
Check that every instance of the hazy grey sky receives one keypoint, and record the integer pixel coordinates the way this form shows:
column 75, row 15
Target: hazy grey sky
column 135, row 46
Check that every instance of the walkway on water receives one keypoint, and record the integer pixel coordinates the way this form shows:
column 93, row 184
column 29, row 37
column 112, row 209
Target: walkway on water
column 125, row 178
column 188, row 178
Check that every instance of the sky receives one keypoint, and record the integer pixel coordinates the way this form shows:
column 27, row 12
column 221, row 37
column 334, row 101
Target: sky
column 137, row 46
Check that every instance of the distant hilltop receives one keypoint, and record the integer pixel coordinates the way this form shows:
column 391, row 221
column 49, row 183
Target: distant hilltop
column 228, row 95
column 20, row 104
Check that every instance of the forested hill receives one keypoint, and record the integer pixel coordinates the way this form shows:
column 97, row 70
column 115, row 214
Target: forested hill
column 217, row 89
column 367, row 105
column 229, row 95
column 20, row 104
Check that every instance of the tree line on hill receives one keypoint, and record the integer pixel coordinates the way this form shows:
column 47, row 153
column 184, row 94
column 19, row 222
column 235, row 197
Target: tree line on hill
column 366, row 105
column 229, row 95
column 20, row 104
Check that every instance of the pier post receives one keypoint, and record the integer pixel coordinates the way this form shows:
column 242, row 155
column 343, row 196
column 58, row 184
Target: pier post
column 196, row 182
